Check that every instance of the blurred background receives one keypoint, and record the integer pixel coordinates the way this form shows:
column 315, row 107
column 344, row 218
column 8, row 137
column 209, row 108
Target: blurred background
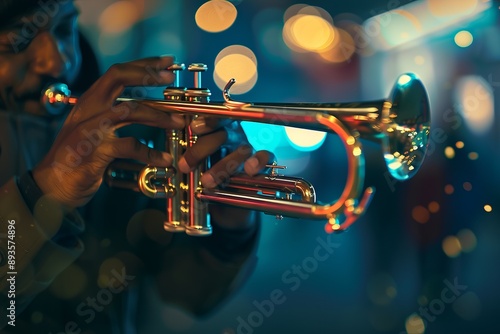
column 425, row 257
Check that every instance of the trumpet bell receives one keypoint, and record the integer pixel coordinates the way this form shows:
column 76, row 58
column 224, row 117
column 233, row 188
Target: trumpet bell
column 406, row 125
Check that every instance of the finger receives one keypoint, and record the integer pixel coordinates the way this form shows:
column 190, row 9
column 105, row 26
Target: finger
column 258, row 162
column 132, row 112
column 203, row 148
column 223, row 170
column 110, row 86
column 203, row 125
column 131, row 148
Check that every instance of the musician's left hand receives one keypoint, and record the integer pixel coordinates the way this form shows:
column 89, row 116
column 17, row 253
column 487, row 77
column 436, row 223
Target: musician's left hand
column 214, row 134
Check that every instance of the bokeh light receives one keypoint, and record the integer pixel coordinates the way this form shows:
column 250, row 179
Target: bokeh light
column 420, row 214
column 216, row 15
column 342, row 49
column 238, row 62
column 304, row 139
column 474, row 99
column 311, row 29
column 414, row 324
column 459, row 144
column 449, row 189
column 119, row 16
column 468, row 240
column 463, row 39
column 488, row 208
column 311, row 33
column 467, row 186
column 451, row 246
column 433, row 207
column 473, row 156
column 450, row 8
column 449, row 152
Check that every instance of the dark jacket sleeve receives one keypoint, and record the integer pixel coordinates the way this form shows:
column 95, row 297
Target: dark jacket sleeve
column 35, row 246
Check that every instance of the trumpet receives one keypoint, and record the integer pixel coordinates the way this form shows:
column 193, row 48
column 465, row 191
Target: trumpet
column 400, row 123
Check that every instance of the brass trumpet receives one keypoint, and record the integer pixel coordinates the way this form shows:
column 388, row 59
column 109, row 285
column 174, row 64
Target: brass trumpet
column 400, row 123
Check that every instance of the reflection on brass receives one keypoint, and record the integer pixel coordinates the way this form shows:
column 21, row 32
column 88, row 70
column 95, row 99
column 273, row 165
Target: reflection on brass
column 401, row 124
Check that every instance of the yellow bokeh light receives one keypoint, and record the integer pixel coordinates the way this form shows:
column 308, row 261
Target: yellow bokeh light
column 475, row 101
column 216, row 15
column 293, row 10
column 119, row 16
column 449, row 152
column 488, row 208
column 342, row 49
column 414, row 324
column 312, row 33
column 447, row 8
column 459, row 144
column 238, row 62
column 451, row 246
column 463, row 39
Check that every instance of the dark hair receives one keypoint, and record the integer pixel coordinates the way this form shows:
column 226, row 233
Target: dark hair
column 12, row 10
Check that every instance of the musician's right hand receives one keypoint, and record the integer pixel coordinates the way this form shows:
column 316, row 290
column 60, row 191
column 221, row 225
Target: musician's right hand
column 73, row 169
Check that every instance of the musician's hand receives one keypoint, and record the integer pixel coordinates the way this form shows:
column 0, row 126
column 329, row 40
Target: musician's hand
column 214, row 134
column 72, row 171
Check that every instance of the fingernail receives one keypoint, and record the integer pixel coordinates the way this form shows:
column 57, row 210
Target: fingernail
column 207, row 180
column 183, row 166
column 253, row 163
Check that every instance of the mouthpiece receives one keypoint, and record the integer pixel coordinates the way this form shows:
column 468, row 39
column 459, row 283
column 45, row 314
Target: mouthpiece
column 56, row 97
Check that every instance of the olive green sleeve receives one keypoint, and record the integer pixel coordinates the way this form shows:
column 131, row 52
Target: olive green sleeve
column 34, row 246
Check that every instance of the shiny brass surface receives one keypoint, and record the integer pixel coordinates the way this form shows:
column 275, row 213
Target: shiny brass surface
column 400, row 123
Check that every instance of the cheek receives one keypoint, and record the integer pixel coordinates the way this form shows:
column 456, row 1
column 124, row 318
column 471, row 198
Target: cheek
column 11, row 71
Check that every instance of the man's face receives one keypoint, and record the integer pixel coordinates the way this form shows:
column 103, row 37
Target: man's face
column 39, row 48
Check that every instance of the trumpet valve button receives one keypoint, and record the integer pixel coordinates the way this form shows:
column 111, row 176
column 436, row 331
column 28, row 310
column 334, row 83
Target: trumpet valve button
column 197, row 68
column 175, row 68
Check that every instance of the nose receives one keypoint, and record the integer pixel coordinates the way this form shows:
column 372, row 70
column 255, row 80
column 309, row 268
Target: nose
column 48, row 57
